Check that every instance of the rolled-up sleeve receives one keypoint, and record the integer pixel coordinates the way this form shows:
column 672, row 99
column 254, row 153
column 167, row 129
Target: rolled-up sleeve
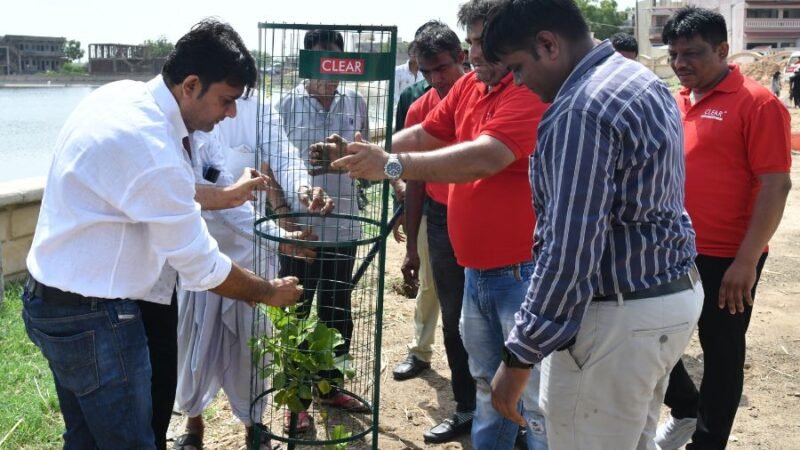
column 177, row 231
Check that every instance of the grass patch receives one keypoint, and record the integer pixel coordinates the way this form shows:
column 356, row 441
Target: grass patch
column 29, row 415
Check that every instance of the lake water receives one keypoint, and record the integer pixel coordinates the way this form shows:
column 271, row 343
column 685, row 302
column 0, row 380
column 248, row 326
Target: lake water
column 30, row 119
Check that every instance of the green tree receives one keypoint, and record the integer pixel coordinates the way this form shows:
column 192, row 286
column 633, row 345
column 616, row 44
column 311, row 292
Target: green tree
column 73, row 50
column 158, row 48
column 603, row 17
column 263, row 59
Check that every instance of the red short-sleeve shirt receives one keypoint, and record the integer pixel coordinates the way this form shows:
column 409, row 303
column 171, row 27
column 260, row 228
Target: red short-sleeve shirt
column 490, row 221
column 734, row 133
column 420, row 109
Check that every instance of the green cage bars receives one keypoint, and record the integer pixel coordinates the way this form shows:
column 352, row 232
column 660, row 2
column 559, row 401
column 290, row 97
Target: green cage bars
column 316, row 368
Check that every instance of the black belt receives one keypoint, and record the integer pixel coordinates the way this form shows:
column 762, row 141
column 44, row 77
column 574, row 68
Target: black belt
column 57, row 296
column 681, row 284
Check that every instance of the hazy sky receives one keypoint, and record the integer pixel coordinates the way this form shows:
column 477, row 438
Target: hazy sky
column 107, row 21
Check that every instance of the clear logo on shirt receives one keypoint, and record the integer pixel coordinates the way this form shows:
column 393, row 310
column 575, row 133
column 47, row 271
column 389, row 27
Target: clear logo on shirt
column 714, row 114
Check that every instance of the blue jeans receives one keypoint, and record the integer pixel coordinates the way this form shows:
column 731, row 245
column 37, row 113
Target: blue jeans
column 491, row 298
column 97, row 351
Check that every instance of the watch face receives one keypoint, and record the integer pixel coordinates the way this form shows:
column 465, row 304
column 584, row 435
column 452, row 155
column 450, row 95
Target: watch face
column 394, row 169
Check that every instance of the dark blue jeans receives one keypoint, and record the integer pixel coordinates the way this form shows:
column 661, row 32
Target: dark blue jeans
column 448, row 277
column 97, row 351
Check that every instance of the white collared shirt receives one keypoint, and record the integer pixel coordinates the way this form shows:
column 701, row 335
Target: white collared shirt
column 403, row 78
column 119, row 204
column 306, row 122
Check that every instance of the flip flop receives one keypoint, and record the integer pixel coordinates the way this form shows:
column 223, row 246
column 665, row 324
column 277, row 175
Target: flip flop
column 303, row 421
column 345, row 402
column 185, row 441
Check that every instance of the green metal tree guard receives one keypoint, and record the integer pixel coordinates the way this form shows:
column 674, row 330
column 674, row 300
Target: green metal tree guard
column 318, row 80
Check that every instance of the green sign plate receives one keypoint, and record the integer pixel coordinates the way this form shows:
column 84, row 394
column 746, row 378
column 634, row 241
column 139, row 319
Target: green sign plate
column 343, row 66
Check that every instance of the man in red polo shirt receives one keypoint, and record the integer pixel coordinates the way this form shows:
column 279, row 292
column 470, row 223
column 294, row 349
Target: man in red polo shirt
column 489, row 212
column 737, row 145
column 440, row 58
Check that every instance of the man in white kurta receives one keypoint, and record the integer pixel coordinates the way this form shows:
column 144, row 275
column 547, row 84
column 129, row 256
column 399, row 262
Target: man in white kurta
column 213, row 331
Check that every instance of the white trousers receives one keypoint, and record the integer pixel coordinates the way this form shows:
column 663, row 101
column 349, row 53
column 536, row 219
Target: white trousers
column 605, row 392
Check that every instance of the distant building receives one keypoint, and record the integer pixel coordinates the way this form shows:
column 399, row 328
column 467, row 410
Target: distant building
column 31, row 54
column 122, row 58
column 752, row 25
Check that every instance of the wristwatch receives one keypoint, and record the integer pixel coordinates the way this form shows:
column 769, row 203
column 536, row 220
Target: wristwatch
column 511, row 360
column 393, row 167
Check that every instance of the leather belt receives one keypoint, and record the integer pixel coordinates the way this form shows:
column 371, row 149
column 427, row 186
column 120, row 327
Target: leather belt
column 681, row 284
column 57, row 296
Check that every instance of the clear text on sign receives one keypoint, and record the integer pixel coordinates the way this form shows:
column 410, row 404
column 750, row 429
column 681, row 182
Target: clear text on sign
column 342, row 66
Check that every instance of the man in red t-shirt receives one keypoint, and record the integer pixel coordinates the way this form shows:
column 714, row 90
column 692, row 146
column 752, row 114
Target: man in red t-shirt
column 737, row 146
column 489, row 212
column 440, row 58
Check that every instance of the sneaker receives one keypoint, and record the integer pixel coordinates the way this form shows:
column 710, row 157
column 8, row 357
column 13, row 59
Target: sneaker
column 675, row 433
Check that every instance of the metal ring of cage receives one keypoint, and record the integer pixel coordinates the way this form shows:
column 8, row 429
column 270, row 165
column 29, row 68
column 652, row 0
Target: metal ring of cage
column 261, row 428
column 372, row 238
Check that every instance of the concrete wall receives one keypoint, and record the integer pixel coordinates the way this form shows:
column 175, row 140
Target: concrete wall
column 19, row 210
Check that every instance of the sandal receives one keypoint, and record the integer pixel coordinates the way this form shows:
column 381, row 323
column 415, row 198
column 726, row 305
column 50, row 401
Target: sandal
column 303, row 421
column 345, row 402
column 188, row 440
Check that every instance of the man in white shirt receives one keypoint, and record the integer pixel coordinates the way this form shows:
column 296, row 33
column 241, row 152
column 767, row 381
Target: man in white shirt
column 117, row 215
column 406, row 74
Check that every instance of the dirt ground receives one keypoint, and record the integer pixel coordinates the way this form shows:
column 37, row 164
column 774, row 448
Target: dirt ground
column 769, row 413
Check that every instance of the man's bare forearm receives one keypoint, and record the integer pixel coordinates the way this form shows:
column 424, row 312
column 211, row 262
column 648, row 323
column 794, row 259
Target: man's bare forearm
column 459, row 163
column 767, row 214
column 415, row 199
column 212, row 197
column 244, row 285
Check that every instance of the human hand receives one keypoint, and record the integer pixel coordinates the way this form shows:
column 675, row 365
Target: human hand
column 315, row 199
column 410, row 268
column 364, row 160
column 507, row 387
column 282, row 292
column 242, row 191
column 737, row 283
column 399, row 187
column 296, row 250
column 322, row 154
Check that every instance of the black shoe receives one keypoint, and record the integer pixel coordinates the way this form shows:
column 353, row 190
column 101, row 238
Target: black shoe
column 450, row 428
column 410, row 368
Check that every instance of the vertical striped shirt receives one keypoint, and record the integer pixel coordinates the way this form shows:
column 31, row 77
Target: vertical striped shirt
column 607, row 178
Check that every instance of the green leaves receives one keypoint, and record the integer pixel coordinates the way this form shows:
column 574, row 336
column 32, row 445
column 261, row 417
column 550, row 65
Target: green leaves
column 300, row 349
column 338, row 432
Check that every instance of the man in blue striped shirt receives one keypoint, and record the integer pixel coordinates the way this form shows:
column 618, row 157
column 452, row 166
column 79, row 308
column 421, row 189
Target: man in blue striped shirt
column 614, row 295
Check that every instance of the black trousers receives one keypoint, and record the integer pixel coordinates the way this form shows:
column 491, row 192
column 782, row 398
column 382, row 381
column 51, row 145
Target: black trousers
column 448, row 277
column 329, row 277
column 722, row 337
column 161, row 327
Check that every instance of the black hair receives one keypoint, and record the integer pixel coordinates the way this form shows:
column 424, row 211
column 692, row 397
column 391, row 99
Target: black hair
column 513, row 25
column 473, row 11
column 323, row 38
column 624, row 42
column 691, row 21
column 214, row 52
column 435, row 37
